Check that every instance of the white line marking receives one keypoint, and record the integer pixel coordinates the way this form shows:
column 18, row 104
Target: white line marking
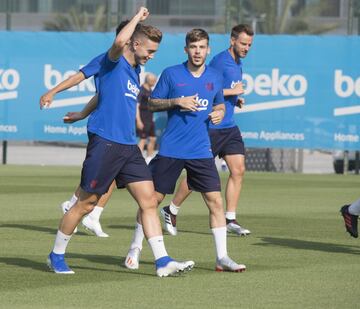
column 271, row 105
column 8, row 95
column 342, row 111
column 70, row 101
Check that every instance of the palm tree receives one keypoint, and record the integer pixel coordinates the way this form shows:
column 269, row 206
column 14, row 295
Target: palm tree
column 78, row 21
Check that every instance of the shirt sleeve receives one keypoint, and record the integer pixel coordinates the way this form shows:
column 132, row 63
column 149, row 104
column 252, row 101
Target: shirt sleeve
column 93, row 67
column 219, row 97
column 163, row 86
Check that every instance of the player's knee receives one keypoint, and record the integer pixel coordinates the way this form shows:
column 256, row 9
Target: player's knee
column 238, row 172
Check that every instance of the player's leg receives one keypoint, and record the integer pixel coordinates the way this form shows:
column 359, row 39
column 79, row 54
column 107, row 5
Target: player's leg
column 169, row 212
column 84, row 205
column 144, row 194
column 133, row 255
column 92, row 221
column 213, row 201
column 351, row 214
column 65, row 206
column 203, row 177
column 151, row 147
column 165, row 172
column 236, row 165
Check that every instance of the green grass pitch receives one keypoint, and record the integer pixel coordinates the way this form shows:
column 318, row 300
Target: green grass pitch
column 298, row 255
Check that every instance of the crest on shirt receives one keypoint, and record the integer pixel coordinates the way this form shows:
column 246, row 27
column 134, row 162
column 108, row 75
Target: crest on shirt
column 209, row 86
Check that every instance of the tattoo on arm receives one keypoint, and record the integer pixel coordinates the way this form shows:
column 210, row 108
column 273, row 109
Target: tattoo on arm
column 157, row 105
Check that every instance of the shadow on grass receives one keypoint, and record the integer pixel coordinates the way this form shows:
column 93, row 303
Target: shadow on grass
column 308, row 245
column 99, row 259
column 36, row 228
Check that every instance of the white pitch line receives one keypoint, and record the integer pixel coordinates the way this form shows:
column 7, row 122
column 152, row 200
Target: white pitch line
column 342, row 111
column 271, row 105
column 8, row 95
column 70, row 101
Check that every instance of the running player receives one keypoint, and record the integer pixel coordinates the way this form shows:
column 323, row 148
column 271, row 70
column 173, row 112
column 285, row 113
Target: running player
column 112, row 152
column 192, row 94
column 91, row 222
column 226, row 139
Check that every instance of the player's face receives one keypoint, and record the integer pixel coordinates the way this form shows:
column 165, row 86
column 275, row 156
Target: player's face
column 241, row 45
column 144, row 50
column 197, row 52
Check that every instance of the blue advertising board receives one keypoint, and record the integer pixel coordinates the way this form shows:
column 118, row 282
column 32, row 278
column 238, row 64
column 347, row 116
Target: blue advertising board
column 301, row 91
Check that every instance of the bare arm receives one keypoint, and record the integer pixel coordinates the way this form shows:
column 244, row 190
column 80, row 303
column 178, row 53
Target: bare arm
column 47, row 98
column 125, row 34
column 187, row 103
column 237, row 90
column 139, row 123
column 71, row 117
column 217, row 114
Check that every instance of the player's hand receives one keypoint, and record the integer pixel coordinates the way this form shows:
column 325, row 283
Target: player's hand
column 189, row 103
column 239, row 88
column 240, row 102
column 72, row 117
column 46, row 100
column 143, row 13
column 217, row 116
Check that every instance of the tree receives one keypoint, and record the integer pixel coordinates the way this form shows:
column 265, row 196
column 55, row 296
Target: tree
column 78, row 21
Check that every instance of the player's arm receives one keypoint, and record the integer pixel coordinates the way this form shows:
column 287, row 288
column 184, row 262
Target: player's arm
column 71, row 117
column 47, row 98
column 187, row 103
column 125, row 34
column 237, row 90
column 139, row 123
column 217, row 114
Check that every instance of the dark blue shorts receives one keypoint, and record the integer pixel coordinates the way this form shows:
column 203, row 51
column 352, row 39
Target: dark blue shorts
column 202, row 175
column 226, row 142
column 106, row 160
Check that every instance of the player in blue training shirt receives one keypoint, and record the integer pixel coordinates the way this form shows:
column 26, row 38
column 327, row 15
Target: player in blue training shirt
column 191, row 92
column 226, row 139
column 112, row 151
column 92, row 221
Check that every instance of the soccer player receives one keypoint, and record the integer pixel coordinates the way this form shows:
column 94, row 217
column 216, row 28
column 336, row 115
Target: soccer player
column 147, row 130
column 91, row 222
column 112, row 152
column 226, row 139
column 191, row 92
column 351, row 214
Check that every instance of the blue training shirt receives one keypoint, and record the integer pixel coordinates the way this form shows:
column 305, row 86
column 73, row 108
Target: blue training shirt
column 114, row 116
column 186, row 133
column 232, row 74
column 93, row 69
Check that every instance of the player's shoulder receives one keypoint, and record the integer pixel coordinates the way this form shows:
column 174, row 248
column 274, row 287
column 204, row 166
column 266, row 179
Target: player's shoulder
column 174, row 68
column 215, row 73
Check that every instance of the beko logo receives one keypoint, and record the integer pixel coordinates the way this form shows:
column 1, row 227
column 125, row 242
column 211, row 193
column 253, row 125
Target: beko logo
column 9, row 81
column 293, row 87
column 53, row 77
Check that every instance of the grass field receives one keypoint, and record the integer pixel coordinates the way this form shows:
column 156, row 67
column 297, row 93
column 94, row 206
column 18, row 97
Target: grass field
column 298, row 255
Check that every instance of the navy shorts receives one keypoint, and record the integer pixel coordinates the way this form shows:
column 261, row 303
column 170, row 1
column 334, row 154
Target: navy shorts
column 226, row 142
column 106, row 160
column 202, row 175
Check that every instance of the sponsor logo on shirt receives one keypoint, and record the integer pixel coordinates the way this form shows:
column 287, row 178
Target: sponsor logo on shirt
column 134, row 90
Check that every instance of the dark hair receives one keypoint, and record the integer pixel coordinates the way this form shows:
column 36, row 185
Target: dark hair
column 121, row 25
column 150, row 32
column 196, row 35
column 235, row 31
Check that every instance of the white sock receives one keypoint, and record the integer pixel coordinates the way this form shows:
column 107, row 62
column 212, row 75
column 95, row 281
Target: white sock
column 173, row 208
column 61, row 242
column 230, row 215
column 96, row 213
column 138, row 237
column 73, row 201
column 354, row 208
column 220, row 241
column 157, row 246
